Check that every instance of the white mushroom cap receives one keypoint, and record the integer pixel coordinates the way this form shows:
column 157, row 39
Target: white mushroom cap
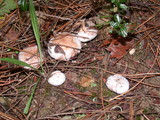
column 30, row 56
column 64, row 46
column 132, row 51
column 57, row 78
column 117, row 83
column 87, row 32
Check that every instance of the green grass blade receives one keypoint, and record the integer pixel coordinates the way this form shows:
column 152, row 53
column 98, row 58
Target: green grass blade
column 35, row 28
column 17, row 62
column 26, row 109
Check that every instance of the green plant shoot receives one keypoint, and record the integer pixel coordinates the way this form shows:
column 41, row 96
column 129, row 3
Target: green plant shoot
column 35, row 29
column 17, row 62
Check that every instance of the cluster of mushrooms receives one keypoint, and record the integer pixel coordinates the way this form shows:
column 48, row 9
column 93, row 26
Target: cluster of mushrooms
column 64, row 46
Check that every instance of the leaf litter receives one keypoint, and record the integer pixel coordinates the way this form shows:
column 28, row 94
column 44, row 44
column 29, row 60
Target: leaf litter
column 118, row 47
column 72, row 100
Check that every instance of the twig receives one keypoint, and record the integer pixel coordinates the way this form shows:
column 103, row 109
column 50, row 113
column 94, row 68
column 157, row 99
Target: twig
column 54, row 16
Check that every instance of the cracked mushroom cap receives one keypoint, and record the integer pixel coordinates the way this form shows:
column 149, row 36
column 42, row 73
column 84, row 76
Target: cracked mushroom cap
column 30, row 56
column 117, row 83
column 57, row 78
column 87, row 32
column 64, row 46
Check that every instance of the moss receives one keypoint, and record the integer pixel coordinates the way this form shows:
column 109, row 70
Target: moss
column 109, row 93
column 138, row 117
column 94, row 72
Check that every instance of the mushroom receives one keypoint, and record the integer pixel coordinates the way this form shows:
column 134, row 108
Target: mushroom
column 87, row 32
column 117, row 83
column 132, row 51
column 64, row 46
column 30, row 56
column 57, row 78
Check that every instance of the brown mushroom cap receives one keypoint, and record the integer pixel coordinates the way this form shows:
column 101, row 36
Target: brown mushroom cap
column 64, row 46
column 30, row 56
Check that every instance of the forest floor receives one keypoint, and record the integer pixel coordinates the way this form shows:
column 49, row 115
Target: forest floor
column 84, row 95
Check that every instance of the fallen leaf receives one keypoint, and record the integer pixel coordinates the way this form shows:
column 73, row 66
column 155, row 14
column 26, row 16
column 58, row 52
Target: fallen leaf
column 86, row 80
column 118, row 47
column 105, row 42
column 7, row 6
column 72, row 76
column 12, row 35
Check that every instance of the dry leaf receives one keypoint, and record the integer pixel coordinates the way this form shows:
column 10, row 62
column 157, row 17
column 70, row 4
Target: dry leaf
column 73, row 77
column 86, row 80
column 118, row 47
column 12, row 35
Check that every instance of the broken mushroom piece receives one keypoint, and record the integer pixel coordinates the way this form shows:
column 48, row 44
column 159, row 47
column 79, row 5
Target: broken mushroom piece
column 117, row 83
column 57, row 78
column 87, row 32
column 30, row 56
column 64, row 46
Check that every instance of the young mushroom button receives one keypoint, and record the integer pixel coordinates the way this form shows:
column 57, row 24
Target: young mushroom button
column 64, row 46
column 87, row 32
column 57, row 78
column 30, row 56
column 117, row 83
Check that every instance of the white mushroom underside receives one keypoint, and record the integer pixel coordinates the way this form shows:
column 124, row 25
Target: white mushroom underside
column 57, row 78
column 68, row 53
column 117, row 83
column 87, row 35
